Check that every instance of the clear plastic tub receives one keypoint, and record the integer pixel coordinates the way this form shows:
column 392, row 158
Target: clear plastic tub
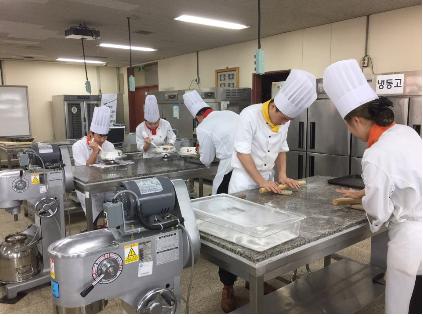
column 252, row 225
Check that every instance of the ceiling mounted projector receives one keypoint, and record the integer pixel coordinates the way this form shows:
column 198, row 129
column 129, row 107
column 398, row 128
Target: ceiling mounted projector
column 82, row 32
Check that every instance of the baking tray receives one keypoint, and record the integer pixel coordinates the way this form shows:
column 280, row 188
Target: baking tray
column 354, row 181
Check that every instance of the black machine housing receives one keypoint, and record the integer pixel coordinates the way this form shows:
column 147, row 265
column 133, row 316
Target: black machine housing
column 156, row 207
column 44, row 155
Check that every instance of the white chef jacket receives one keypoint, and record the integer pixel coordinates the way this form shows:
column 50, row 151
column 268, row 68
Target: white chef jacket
column 255, row 137
column 81, row 152
column 393, row 196
column 215, row 136
column 164, row 135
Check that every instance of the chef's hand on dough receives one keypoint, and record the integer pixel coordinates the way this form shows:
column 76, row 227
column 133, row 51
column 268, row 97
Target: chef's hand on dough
column 292, row 183
column 351, row 193
column 270, row 186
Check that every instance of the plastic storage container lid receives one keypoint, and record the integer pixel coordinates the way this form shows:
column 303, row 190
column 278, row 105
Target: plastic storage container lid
column 243, row 216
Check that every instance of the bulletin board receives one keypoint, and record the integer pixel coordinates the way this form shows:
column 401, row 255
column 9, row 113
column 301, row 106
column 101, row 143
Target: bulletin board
column 14, row 112
column 227, row 77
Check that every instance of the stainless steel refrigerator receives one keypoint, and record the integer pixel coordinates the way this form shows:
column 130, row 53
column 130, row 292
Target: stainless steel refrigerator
column 72, row 115
column 173, row 109
column 318, row 141
column 297, row 155
column 327, row 142
column 415, row 114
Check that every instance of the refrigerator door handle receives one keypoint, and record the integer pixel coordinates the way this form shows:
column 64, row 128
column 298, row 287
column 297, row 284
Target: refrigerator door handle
column 301, row 135
column 300, row 166
column 312, row 135
column 311, row 165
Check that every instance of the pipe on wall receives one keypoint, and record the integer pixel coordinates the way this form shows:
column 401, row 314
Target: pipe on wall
column 1, row 73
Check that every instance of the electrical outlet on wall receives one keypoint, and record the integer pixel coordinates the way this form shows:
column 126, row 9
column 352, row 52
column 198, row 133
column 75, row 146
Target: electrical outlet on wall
column 365, row 61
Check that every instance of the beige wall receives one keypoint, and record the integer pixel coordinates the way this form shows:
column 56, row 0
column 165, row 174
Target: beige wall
column 394, row 45
column 395, row 40
column 45, row 80
column 176, row 72
column 139, row 77
column 238, row 55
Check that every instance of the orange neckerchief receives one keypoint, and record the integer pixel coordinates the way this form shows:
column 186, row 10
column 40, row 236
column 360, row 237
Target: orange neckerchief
column 375, row 132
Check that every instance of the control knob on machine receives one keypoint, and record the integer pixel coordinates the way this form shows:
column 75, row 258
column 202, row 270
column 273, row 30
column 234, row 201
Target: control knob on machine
column 158, row 301
column 47, row 207
column 106, row 269
column 20, row 185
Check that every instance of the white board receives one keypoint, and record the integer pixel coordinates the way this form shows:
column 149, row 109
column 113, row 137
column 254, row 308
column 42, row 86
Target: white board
column 110, row 100
column 14, row 114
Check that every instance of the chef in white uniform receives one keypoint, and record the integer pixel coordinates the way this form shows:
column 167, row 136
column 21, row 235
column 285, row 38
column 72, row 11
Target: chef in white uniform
column 261, row 136
column 391, row 171
column 153, row 129
column 86, row 151
column 215, row 134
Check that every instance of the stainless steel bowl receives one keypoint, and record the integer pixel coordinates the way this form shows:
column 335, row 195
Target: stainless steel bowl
column 19, row 258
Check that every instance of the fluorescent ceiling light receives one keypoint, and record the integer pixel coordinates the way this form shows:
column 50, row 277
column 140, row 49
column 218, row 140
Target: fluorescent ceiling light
column 126, row 47
column 211, row 22
column 74, row 60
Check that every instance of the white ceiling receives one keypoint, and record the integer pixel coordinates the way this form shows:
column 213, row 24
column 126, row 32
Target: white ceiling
column 34, row 29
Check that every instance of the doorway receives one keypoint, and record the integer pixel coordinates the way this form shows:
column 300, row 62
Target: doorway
column 262, row 85
column 136, row 105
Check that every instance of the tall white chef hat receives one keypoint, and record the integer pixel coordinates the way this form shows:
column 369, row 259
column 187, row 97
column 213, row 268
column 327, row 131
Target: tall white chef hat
column 346, row 86
column 151, row 109
column 194, row 102
column 297, row 93
column 101, row 120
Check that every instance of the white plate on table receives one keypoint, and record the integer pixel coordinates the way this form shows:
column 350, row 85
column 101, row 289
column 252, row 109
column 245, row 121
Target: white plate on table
column 164, row 149
column 111, row 155
column 188, row 151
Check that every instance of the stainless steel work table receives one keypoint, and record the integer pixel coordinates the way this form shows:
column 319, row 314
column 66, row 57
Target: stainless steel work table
column 326, row 230
column 131, row 151
column 90, row 180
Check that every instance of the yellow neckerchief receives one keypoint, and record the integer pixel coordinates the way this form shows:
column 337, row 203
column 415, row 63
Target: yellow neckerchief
column 265, row 112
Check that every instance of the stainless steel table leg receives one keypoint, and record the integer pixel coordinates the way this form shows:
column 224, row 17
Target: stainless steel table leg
column 89, row 211
column 327, row 260
column 200, row 187
column 9, row 160
column 256, row 294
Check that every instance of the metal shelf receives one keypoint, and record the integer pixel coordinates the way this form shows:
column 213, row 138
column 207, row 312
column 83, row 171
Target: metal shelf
column 344, row 287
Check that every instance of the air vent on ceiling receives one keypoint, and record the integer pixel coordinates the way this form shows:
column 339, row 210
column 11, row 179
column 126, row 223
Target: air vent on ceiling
column 143, row 32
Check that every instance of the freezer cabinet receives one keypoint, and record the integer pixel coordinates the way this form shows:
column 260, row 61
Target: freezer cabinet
column 296, row 164
column 327, row 165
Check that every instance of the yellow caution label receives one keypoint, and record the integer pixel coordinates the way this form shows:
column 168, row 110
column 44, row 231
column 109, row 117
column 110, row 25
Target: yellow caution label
column 35, row 179
column 132, row 253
